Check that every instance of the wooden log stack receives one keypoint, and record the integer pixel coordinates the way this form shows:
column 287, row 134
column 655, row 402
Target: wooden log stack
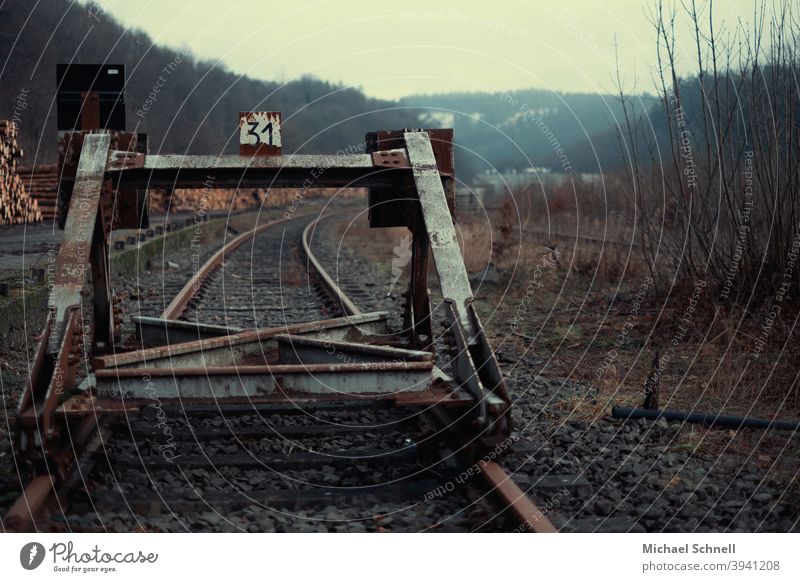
column 193, row 199
column 16, row 207
column 42, row 185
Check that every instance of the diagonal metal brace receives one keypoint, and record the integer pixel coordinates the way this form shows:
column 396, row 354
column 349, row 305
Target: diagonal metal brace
column 54, row 369
column 441, row 233
column 73, row 256
column 474, row 366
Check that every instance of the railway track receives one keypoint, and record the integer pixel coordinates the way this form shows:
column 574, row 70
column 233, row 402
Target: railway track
column 275, row 387
column 262, row 386
column 355, row 465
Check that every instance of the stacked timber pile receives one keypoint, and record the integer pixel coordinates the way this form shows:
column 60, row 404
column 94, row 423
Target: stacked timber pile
column 193, row 199
column 42, row 185
column 16, row 207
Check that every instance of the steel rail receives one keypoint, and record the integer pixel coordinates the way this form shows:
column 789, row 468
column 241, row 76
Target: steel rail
column 30, row 506
column 327, row 281
column 527, row 513
column 178, row 304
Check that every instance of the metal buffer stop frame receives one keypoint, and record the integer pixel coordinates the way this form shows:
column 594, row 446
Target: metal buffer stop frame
column 105, row 173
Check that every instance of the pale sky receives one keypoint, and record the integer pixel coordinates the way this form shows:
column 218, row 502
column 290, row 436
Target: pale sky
column 392, row 49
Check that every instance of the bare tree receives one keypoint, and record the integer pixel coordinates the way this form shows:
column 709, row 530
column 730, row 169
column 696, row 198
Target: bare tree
column 716, row 179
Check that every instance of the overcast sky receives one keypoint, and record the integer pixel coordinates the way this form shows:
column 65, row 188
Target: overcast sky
column 392, row 49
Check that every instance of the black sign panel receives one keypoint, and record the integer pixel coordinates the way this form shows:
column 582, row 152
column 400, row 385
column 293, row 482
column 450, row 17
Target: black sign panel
column 74, row 81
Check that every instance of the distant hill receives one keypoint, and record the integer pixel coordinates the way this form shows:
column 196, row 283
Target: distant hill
column 198, row 104
column 528, row 127
column 197, row 108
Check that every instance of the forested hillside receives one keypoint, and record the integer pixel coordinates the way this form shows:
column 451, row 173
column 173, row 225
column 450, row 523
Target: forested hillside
column 198, row 105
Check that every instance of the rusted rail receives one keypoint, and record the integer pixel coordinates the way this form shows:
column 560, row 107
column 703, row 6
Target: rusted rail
column 178, row 304
column 530, row 517
column 327, row 281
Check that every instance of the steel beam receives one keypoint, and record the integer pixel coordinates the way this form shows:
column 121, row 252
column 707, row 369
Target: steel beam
column 294, row 171
column 294, row 349
column 249, row 381
column 75, row 251
column 153, row 331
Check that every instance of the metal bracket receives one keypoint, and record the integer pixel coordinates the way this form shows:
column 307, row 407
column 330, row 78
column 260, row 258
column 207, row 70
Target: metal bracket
column 391, row 159
column 120, row 160
column 59, row 352
column 475, row 366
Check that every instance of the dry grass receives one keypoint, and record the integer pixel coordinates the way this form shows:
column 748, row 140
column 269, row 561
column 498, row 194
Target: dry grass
column 476, row 244
column 589, row 301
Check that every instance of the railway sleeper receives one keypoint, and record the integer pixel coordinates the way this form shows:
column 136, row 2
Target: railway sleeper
column 267, row 462
column 147, row 504
column 254, row 432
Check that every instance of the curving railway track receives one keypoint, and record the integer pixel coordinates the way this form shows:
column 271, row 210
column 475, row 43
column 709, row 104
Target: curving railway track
column 359, row 463
column 344, row 465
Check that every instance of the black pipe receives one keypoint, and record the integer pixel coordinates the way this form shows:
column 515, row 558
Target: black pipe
column 718, row 420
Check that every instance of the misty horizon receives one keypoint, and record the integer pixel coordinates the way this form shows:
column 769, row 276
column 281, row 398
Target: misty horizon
column 575, row 53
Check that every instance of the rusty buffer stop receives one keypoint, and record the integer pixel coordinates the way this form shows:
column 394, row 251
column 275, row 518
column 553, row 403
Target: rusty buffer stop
column 410, row 177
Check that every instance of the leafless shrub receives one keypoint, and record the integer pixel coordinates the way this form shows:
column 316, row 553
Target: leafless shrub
column 715, row 173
